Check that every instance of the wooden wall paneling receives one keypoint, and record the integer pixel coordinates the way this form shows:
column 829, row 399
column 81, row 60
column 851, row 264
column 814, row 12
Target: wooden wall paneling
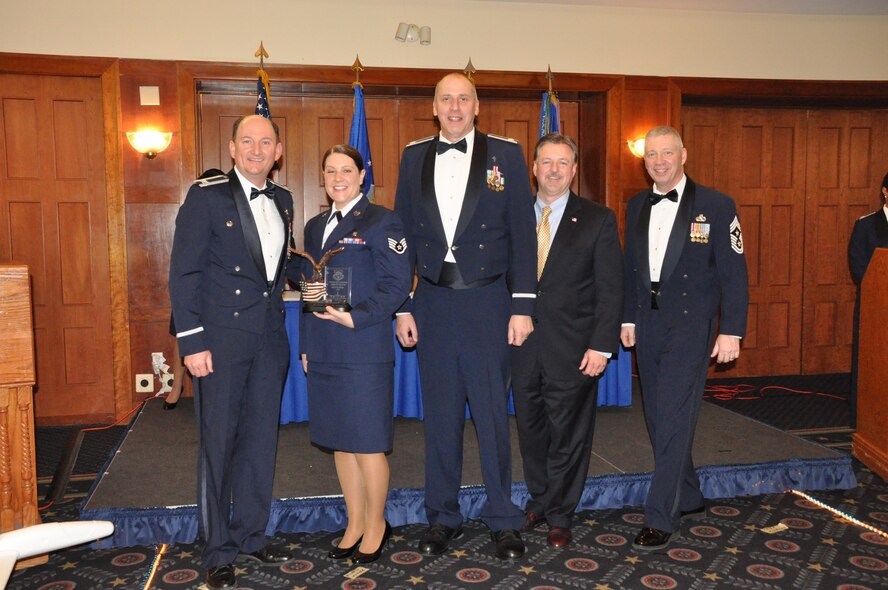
column 645, row 105
column 520, row 120
column 61, row 198
column 757, row 156
column 847, row 150
column 326, row 122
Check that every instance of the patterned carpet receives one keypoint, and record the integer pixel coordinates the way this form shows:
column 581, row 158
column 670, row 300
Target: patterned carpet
column 774, row 541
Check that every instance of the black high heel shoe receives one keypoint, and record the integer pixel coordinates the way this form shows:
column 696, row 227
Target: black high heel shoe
column 359, row 557
column 344, row 552
column 170, row 406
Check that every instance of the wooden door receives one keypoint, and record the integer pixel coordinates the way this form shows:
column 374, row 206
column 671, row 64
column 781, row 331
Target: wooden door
column 53, row 218
column 757, row 156
column 847, row 159
column 800, row 179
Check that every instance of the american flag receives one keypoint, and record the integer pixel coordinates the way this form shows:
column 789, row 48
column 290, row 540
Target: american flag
column 262, row 92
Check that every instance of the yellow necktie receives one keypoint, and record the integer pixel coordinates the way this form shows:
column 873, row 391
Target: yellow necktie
column 543, row 238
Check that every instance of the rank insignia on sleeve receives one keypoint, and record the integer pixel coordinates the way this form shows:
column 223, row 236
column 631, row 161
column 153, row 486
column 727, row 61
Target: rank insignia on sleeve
column 397, row 246
column 736, row 236
column 700, row 233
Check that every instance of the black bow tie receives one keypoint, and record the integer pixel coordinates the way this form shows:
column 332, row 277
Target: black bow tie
column 268, row 191
column 337, row 215
column 460, row 145
column 654, row 198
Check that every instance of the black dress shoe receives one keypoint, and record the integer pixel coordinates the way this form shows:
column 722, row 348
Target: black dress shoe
column 360, row 557
column 267, row 556
column 532, row 520
column 344, row 552
column 508, row 544
column 698, row 512
column 436, row 539
column 221, row 576
column 559, row 537
column 170, row 405
column 652, row 539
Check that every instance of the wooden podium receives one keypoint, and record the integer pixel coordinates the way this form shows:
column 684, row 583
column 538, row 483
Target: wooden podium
column 870, row 442
column 18, row 467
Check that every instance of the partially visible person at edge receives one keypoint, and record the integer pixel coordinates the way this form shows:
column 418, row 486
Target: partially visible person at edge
column 227, row 275
column 870, row 232
column 467, row 208
column 349, row 356
column 685, row 275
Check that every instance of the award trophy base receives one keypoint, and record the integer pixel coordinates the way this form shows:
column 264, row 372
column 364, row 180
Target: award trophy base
column 321, row 306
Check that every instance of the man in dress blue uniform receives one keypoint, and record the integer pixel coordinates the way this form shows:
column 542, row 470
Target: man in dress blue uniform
column 576, row 330
column 870, row 232
column 685, row 275
column 467, row 208
column 227, row 274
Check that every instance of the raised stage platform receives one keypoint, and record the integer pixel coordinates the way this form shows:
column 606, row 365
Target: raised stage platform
column 148, row 486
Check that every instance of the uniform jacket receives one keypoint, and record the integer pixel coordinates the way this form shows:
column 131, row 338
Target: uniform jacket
column 870, row 232
column 217, row 272
column 703, row 275
column 378, row 255
column 495, row 234
column 579, row 301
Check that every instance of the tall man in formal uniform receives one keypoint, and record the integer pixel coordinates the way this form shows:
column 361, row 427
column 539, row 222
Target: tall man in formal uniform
column 685, row 276
column 467, row 208
column 870, row 232
column 226, row 280
column 576, row 330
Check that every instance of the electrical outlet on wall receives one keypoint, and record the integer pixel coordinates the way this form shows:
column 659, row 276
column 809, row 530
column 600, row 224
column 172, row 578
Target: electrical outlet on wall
column 144, row 383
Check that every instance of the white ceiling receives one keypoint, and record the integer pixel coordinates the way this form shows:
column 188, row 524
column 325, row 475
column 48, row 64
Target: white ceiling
column 847, row 7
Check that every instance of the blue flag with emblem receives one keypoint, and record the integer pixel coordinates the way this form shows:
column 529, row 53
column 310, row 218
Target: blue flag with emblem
column 550, row 114
column 262, row 92
column 360, row 140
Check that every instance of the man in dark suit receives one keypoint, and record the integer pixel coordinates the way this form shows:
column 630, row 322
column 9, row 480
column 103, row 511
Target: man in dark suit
column 226, row 280
column 685, row 275
column 467, row 208
column 870, row 232
column 576, row 330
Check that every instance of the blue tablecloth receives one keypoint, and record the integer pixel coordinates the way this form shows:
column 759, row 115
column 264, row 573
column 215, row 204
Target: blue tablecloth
column 614, row 388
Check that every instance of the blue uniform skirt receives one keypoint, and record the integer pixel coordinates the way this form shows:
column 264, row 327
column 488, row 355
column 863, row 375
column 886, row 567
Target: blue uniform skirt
column 350, row 406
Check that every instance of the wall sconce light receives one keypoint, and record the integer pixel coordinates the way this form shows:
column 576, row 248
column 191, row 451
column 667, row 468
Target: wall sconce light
column 149, row 141
column 412, row 33
column 636, row 146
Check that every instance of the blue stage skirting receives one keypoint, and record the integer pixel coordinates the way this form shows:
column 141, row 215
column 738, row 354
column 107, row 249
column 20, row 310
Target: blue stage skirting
column 151, row 526
column 614, row 387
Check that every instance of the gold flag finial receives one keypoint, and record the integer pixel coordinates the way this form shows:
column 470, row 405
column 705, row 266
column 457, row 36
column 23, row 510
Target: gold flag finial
column 261, row 54
column 469, row 70
column 358, row 67
column 550, row 76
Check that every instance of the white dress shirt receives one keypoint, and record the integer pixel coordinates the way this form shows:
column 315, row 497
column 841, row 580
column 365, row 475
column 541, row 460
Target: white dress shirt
column 333, row 222
column 451, row 178
column 662, row 220
column 268, row 223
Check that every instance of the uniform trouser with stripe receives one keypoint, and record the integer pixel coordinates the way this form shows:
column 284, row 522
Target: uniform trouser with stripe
column 463, row 355
column 673, row 360
column 238, row 413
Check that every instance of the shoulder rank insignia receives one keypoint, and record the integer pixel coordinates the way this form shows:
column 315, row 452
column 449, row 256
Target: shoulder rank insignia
column 211, row 180
column 283, row 186
column 397, row 246
column 419, row 141
column 502, row 138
